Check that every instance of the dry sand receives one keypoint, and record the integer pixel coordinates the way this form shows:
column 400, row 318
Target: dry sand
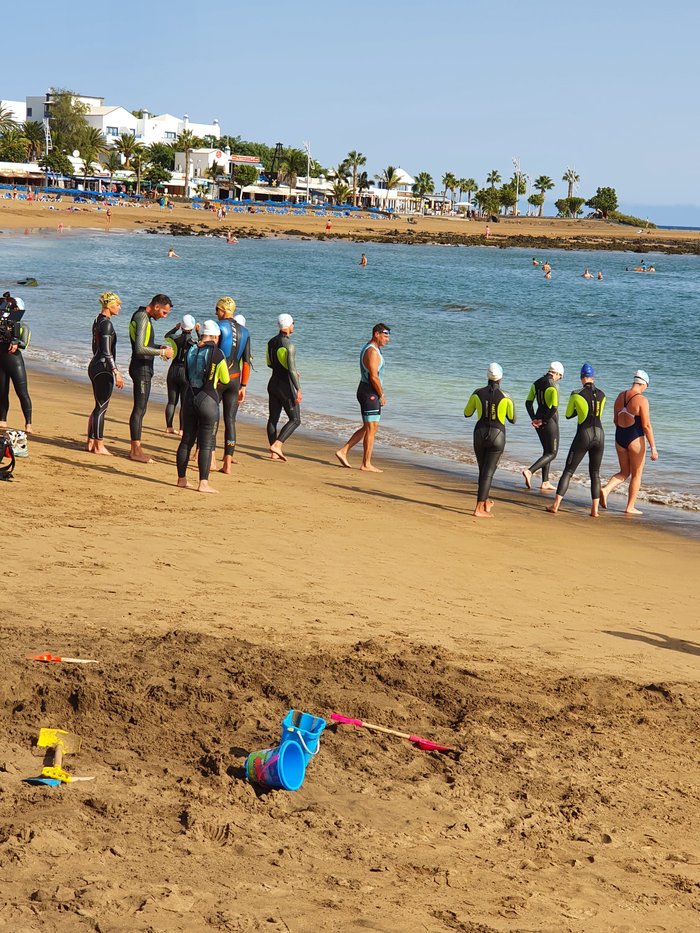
column 560, row 655
column 20, row 215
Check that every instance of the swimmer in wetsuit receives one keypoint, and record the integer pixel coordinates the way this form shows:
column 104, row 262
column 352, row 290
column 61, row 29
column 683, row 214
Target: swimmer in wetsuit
column 370, row 395
column 493, row 407
column 545, row 420
column 143, row 351
column 205, row 369
column 176, row 380
column 284, row 388
column 632, row 432
column 14, row 337
column 103, row 371
column 235, row 345
column 586, row 404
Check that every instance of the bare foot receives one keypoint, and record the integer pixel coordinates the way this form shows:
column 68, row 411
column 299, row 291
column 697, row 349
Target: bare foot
column 179, row 433
column 603, row 499
column 594, row 514
column 478, row 513
column 90, row 446
column 343, row 458
column 170, row 430
column 182, row 483
column 276, row 452
column 28, row 429
column 527, row 476
column 553, row 509
column 633, row 511
column 205, row 487
column 547, row 487
column 102, row 451
column 141, row 458
column 226, row 466
column 370, row 469
column 489, row 505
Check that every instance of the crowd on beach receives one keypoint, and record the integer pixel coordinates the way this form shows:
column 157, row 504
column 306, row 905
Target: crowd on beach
column 210, row 365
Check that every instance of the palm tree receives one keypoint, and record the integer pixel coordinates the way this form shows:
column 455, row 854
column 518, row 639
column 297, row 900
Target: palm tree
column 113, row 163
column 33, row 132
column 139, row 161
column 340, row 191
column 542, row 183
column 293, row 164
column 126, row 145
column 14, row 145
column 7, row 119
column 355, row 160
column 342, row 170
column 449, row 182
column 571, row 178
column 390, row 178
column 469, row 185
column 423, row 186
column 493, row 178
column 187, row 141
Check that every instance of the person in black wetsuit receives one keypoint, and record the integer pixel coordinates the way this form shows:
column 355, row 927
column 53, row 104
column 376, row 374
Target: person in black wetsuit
column 103, row 371
column 14, row 337
column 143, row 351
column 586, row 404
column 235, row 345
column 176, row 380
column 493, row 407
column 284, row 388
column 205, row 368
column 545, row 420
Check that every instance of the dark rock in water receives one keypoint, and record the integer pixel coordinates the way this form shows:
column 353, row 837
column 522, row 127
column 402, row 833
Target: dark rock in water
column 31, row 283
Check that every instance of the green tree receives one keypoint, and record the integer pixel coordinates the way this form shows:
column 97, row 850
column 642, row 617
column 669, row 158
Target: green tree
column 571, row 179
column 536, row 200
column 493, row 178
column 355, row 159
column 126, row 145
column 113, row 162
column 161, row 154
column 489, row 200
column 542, row 183
column 519, row 185
column 508, row 196
column 342, row 171
column 423, row 186
column 341, row 191
column 390, row 178
column 244, row 175
column 215, row 171
column 67, row 119
column 449, row 183
column 293, row 165
column 604, row 201
column 186, row 142
column 57, row 162
column 156, row 175
column 469, row 185
column 33, row 132
column 139, row 162
column 569, row 207
column 7, row 119
column 14, row 145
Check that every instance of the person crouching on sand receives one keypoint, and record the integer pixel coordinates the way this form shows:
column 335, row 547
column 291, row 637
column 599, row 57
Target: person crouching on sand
column 370, row 395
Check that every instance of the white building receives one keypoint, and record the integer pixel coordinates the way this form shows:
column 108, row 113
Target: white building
column 202, row 160
column 17, row 108
column 165, row 128
column 112, row 122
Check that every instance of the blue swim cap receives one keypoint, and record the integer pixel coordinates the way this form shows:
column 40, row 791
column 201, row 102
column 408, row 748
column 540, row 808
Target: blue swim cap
column 587, row 370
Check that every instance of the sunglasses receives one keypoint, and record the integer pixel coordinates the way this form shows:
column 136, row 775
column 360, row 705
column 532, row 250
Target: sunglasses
column 387, row 332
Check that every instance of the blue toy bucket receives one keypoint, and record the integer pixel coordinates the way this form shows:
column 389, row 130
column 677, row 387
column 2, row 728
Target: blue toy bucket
column 304, row 730
column 283, row 767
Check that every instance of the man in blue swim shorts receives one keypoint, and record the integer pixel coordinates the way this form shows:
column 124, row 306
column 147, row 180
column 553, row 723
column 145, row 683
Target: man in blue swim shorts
column 370, row 395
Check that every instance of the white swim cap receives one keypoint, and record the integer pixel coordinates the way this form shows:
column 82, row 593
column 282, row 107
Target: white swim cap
column 20, row 304
column 494, row 373
column 285, row 320
column 556, row 367
column 188, row 322
column 211, row 329
column 640, row 378
column 239, row 319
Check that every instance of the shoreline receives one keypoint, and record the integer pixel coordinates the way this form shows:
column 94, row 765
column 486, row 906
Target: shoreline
column 544, row 233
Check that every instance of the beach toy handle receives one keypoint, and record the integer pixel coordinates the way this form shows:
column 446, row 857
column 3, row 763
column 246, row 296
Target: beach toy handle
column 346, row 720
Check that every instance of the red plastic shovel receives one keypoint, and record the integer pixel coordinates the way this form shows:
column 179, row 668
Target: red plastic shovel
column 49, row 658
column 425, row 745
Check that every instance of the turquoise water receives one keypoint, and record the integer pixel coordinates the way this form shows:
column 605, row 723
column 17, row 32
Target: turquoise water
column 452, row 311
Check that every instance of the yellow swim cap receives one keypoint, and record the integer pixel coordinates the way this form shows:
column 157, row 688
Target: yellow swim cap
column 109, row 298
column 226, row 304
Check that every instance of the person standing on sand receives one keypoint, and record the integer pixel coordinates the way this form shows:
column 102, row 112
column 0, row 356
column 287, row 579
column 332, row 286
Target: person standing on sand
column 206, row 369
column 103, row 372
column 488, row 231
column 284, row 388
column 586, row 404
column 492, row 407
column 370, row 395
column 328, row 225
column 633, row 429
column 14, row 337
column 235, row 345
column 143, row 351
column 545, row 421
column 176, row 379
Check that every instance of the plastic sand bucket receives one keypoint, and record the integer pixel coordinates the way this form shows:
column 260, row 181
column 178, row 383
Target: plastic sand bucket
column 283, row 766
column 305, row 730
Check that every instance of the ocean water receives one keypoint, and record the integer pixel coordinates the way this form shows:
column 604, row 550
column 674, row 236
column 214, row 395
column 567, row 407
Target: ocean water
column 452, row 310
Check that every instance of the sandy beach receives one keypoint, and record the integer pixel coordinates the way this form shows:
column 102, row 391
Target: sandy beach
column 558, row 655
column 542, row 233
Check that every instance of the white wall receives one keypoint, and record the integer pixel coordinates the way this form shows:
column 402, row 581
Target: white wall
column 17, row 108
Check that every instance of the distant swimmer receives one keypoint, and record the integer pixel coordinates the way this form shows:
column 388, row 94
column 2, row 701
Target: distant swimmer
column 633, row 432
column 548, row 274
column 103, row 371
column 14, row 337
column 586, row 404
column 370, row 395
column 493, row 407
column 172, row 254
column 231, row 238
column 546, row 266
column 363, row 260
column 586, row 274
column 284, row 388
column 206, row 369
column 600, row 276
column 176, row 379
column 143, row 351
column 535, row 262
column 235, row 345
column 545, row 420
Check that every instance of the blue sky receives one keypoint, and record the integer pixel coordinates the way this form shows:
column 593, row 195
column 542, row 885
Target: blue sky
column 449, row 85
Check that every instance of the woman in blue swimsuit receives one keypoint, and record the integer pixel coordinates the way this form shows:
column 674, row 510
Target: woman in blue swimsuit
column 633, row 430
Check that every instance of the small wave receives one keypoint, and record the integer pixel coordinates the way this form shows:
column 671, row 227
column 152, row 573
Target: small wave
column 458, row 308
